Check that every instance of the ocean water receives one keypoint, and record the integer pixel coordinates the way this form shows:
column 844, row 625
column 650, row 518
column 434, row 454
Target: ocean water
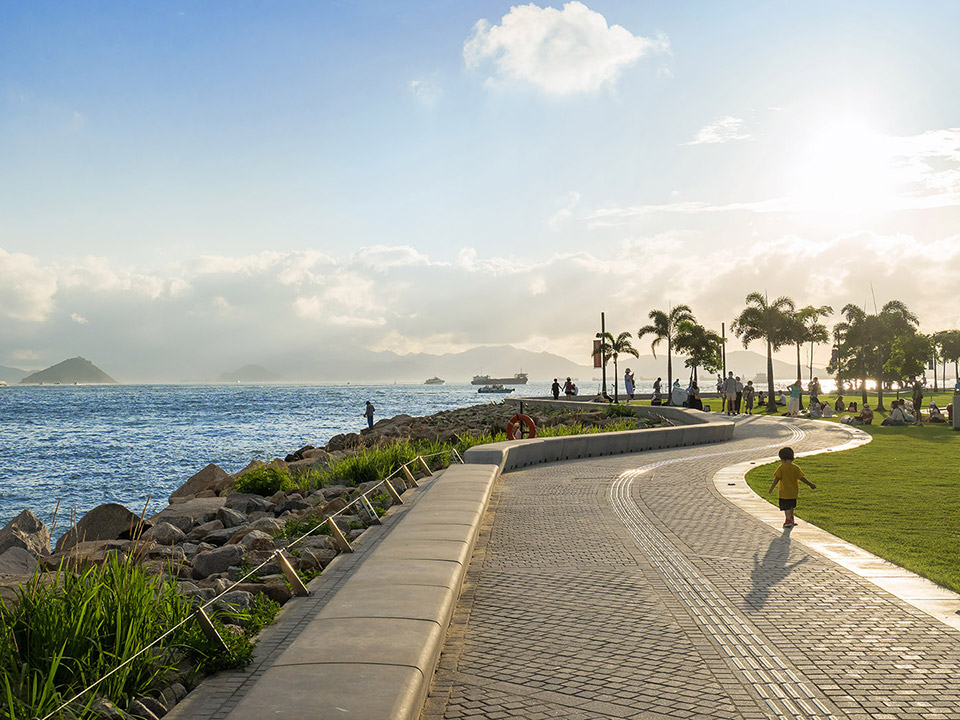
column 134, row 444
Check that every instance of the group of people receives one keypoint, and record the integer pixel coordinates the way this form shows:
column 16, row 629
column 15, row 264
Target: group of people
column 570, row 389
column 734, row 395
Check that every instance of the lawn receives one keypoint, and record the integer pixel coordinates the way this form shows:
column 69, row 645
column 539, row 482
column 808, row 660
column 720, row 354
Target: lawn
column 896, row 497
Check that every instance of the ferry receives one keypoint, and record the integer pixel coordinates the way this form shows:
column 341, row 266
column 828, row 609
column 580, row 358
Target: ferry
column 433, row 381
column 519, row 379
column 495, row 388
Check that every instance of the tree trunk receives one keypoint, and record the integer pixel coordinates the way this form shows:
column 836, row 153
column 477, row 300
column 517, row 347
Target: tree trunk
column 616, row 396
column 771, row 400
column 863, row 391
column 799, row 377
column 880, row 406
column 669, row 372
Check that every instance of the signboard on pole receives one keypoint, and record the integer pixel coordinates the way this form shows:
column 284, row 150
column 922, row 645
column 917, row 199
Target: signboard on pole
column 597, row 355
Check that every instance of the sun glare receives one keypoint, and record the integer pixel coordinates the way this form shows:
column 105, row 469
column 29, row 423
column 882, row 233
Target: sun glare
column 843, row 167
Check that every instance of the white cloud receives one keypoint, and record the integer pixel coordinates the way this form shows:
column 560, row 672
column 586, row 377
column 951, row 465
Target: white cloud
column 726, row 129
column 426, row 90
column 560, row 52
column 79, row 319
column 26, row 289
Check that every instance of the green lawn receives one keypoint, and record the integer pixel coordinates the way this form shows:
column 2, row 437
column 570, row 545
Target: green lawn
column 898, row 497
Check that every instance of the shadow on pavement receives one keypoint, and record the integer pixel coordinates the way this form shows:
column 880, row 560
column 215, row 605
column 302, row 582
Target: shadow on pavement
column 771, row 570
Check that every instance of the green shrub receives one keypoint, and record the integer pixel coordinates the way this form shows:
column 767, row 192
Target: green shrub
column 265, row 480
column 618, row 411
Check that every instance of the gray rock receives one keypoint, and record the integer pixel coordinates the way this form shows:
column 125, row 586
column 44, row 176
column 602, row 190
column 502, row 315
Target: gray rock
column 236, row 600
column 27, row 532
column 165, row 533
column 206, row 479
column 269, row 525
column 247, row 502
column 230, row 517
column 154, row 706
column 173, row 694
column 315, row 558
column 109, row 521
column 191, row 512
column 220, row 537
column 278, row 498
column 106, row 710
column 86, row 554
column 334, row 491
column 138, row 710
column 354, row 534
column 216, row 561
column 17, row 561
column 295, row 505
column 200, row 532
column 318, row 542
column 257, row 540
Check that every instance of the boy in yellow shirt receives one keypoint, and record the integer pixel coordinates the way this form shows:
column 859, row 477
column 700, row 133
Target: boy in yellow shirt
column 788, row 476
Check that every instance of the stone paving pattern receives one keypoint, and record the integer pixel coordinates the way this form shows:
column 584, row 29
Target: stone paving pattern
column 571, row 610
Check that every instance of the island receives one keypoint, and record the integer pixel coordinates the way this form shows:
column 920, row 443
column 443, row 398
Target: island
column 70, row 372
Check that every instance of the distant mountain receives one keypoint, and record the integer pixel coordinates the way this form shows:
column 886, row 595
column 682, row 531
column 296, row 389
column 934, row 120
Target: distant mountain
column 12, row 375
column 250, row 373
column 68, row 372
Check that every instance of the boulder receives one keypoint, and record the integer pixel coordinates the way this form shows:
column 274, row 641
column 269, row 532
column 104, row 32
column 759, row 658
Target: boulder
column 231, row 518
column 269, row 525
column 254, row 464
column 257, row 540
column 247, row 502
column 85, row 554
column 316, row 558
column 103, row 709
column 335, row 505
column 140, row 711
column 277, row 591
column 200, row 532
column 319, row 542
column 155, row 706
column 173, row 694
column 25, row 531
column 235, row 600
column 191, row 512
column 17, row 561
column 109, row 521
column 165, row 533
column 206, row 479
column 220, row 537
column 335, row 491
column 216, row 561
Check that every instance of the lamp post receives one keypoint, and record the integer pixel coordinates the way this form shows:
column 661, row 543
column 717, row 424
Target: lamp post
column 603, row 354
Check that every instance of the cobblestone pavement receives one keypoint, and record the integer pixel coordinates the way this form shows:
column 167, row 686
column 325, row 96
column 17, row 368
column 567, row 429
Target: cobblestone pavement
column 627, row 587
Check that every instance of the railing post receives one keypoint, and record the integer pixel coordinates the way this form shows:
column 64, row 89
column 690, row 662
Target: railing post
column 374, row 518
column 411, row 480
column 393, row 493
column 291, row 575
column 338, row 537
column 426, row 468
column 208, row 629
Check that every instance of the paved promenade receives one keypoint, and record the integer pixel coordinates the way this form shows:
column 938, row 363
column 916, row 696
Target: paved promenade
column 629, row 588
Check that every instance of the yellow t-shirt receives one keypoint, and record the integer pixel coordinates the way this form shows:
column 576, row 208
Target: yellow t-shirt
column 789, row 477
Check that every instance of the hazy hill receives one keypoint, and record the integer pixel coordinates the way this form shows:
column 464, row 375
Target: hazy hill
column 74, row 370
column 12, row 375
column 250, row 373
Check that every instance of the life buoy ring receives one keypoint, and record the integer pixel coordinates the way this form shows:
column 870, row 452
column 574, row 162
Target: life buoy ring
column 514, row 426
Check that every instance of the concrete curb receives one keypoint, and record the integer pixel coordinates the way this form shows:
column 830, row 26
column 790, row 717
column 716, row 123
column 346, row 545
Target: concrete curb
column 696, row 428
column 372, row 649
column 923, row 594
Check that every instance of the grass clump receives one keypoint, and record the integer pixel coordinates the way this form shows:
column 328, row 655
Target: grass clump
column 895, row 497
column 265, row 480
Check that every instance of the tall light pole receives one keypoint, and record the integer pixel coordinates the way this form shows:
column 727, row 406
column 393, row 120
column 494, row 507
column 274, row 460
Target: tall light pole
column 603, row 355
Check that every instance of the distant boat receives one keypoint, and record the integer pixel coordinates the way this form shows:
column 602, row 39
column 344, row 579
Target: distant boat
column 496, row 388
column 433, row 381
column 519, row 379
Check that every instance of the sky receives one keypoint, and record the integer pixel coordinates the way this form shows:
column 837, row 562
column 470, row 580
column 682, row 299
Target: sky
column 189, row 187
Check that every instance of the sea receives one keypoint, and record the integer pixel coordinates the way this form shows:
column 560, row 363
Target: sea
column 84, row 445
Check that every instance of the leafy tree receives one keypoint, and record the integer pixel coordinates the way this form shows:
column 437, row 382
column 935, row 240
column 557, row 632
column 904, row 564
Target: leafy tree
column 770, row 322
column 894, row 321
column 612, row 347
column 854, row 348
column 701, row 346
column 948, row 342
column 908, row 358
column 664, row 327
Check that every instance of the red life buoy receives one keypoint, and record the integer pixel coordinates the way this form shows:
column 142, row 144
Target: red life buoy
column 514, row 426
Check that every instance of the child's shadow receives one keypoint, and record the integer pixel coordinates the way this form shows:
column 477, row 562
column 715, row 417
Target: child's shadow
column 771, row 570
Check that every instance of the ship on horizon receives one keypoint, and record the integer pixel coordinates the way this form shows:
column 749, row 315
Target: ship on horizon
column 519, row 379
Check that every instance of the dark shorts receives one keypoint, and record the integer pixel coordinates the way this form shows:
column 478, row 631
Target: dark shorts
column 788, row 503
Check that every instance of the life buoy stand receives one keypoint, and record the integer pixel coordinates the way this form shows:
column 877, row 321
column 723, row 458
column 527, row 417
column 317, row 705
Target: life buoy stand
column 513, row 427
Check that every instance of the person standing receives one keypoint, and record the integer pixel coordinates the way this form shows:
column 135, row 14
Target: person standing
column 795, row 391
column 368, row 414
column 814, row 391
column 730, row 392
column 628, row 386
column 739, row 395
column 917, row 403
column 788, row 476
column 555, row 389
column 657, row 398
column 569, row 389
column 748, row 391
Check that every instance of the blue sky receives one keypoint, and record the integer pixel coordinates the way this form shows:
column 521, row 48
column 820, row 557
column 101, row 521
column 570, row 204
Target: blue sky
column 436, row 175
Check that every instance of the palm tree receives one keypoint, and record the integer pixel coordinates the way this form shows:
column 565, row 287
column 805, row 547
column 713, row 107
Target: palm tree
column 664, row 327
column 701, row 346
column 854, row 346
column 612, row 347
column 804, row 328
column 770, row 322
column 894, row 320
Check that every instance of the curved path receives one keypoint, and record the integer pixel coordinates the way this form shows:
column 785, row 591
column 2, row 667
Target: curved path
column 629, row 588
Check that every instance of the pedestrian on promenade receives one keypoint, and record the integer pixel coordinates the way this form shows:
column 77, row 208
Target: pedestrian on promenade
column 739, row 395
column 368, row 414
column 730, row 392
column 748, row 393
column 628, row 384
column 657, row 397
column 795, row 391
column 569, row 389
column 788, row 476
column 555, row 389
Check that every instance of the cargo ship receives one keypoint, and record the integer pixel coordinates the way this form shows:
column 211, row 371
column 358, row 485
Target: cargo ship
column 519, row 379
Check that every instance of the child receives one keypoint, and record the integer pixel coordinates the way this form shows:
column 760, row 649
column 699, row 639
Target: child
column 788, row 476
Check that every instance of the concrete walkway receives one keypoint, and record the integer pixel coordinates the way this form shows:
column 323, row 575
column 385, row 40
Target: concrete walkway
column 629, row 587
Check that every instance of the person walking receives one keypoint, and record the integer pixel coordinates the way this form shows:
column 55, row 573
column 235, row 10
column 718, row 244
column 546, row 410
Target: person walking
column 569, row 389
column 739, row 395
column 795, row 391
column 730, row 392
column 748, row 393
column 368, row 414
column 657, row 397
column 555, row 389
column 628, row 385
column 788, row 476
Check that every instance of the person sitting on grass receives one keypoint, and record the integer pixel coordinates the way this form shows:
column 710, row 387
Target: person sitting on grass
column 826, row 410
column 864, row 418
column 788, row 476
column 935, row 415
column 839, row 405
column 782, row 399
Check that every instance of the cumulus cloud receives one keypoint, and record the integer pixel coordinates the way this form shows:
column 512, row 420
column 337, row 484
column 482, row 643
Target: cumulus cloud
column 560, row 52
column 726, row 129
column 79, row 319
column 26, row 288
